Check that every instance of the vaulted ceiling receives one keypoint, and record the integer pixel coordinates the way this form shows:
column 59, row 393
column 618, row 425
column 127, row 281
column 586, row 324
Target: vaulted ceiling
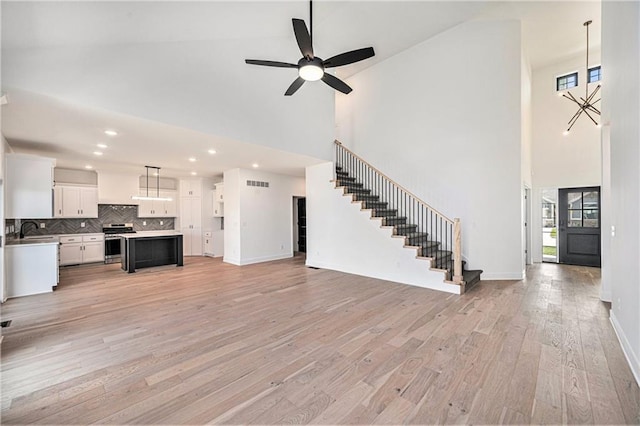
column 170, row 76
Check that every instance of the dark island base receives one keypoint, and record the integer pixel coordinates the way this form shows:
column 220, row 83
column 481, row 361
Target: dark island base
column 145, row 252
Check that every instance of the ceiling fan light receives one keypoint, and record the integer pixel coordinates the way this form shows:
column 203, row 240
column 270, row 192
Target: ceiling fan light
column 310, row 72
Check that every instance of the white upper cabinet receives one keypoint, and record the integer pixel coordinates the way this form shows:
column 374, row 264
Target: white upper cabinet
column 220, row 192
column 57, row 201
column 218, row 200
column 29, row 184
column 158, row 208
column 190, row 188
column 78, row 201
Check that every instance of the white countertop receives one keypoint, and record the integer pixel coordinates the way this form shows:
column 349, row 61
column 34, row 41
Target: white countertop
column 145, row 234
column 45, row 240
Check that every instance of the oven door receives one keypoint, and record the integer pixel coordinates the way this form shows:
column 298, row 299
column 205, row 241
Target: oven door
column 111, row 249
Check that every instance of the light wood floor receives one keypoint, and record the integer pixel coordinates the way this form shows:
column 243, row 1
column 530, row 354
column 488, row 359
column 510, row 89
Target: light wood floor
column 281, row 343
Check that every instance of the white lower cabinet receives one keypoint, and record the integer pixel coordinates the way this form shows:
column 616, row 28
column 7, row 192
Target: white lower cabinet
column 191, row 241
column 77, row 249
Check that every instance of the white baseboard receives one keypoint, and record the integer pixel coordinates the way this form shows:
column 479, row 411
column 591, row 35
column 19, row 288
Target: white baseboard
column 632, row 357
column 499, row 276
column 261, row 259
column 605, row 296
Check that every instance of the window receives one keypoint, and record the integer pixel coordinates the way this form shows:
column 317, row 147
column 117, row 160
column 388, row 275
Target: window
column 568, row 81
column 595, row 74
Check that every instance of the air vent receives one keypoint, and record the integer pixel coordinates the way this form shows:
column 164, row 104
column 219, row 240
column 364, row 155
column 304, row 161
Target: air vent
column 258, row 183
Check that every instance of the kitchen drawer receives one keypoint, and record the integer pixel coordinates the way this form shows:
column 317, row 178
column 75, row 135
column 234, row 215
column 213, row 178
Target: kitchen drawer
column 71, row 239
column 89, row 238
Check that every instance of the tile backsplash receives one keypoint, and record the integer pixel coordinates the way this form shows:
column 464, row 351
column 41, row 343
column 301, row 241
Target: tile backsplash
column 107, row 213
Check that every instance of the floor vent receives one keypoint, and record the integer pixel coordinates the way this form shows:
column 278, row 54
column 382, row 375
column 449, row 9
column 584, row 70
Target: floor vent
column 5, row 323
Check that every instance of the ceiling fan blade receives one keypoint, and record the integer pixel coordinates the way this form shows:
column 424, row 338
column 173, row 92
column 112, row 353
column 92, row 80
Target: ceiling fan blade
column 336, row 83
column 297, row 83
column 270, row 63
column 349, row 57
column 303, row 38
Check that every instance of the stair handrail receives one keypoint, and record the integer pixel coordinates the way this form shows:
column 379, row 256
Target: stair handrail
column 455, row 223
column 451, row 221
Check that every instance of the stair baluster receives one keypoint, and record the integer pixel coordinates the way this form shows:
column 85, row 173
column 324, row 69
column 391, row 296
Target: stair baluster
column 435, row 235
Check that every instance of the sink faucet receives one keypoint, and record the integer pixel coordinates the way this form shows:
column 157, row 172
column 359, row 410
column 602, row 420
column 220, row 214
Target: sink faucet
column 26, row 223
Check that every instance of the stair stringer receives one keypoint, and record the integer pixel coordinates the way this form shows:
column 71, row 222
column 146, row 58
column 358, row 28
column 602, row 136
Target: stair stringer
column 430, row 261
column 358, row 244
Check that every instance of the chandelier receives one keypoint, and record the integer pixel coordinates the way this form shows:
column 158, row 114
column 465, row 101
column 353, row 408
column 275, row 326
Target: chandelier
column 587, row 104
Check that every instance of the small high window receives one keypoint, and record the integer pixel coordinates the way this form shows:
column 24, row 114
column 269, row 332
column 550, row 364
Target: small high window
column 595, row 74
column 568, row 81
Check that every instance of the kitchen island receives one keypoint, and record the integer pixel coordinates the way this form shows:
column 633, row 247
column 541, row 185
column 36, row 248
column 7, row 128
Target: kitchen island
column 151, row 248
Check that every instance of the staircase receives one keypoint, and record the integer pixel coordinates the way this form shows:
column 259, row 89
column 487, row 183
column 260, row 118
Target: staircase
column 435, row 237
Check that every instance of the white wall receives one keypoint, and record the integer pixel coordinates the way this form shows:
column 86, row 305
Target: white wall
column 258, row 221
column 621, row 109
column 564, row 161
column 443, row 119
column 342, row 237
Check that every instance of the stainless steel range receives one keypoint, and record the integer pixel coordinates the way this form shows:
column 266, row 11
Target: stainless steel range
column 112, row 240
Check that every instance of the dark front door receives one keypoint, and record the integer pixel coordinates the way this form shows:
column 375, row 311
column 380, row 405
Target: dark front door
column 302, row 225
column 579, row 226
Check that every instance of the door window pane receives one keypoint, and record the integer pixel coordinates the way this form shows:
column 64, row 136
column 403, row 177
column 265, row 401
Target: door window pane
column 574, row 200
column 574, row 222
column 590, row 200
column 590, row 218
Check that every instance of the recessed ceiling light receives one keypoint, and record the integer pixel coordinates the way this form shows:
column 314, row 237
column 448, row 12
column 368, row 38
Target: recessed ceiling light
column 194, row 173
column 255, row 165
column 111, row 132
column 192, row 159
column 212, row 151
column 88, row 167
column 101, row 145
column 97, row 153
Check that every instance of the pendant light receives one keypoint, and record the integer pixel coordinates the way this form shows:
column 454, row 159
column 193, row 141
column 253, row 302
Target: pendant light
column 148, row 197
column 587, row 104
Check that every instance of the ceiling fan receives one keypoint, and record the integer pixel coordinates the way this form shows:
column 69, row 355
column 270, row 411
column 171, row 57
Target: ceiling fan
column 311, row 67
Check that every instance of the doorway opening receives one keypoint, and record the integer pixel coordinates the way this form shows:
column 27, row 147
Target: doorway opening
column 299, row 224
column 550, row 225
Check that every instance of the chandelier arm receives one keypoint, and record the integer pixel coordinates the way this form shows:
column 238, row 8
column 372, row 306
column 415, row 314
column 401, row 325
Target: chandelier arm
column 574, row 120
column 588, row 99
column 593, row 109
column 575, row 116
column 594, row 92
column 589, row 115
column 573, row 99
